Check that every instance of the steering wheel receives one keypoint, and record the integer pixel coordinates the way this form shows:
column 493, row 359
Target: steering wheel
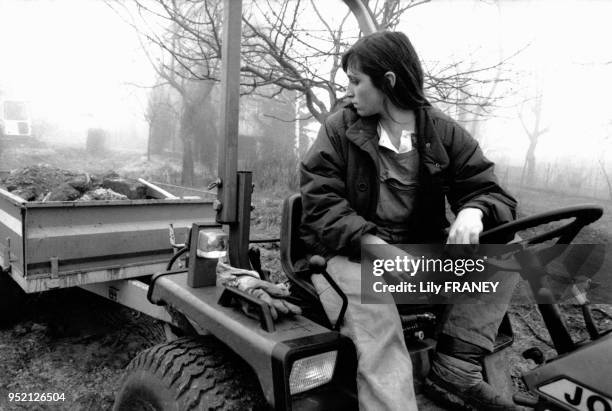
column 534, row 262
column 583, row 215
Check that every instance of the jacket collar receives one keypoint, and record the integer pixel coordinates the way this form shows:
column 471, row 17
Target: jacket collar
column 363, row 133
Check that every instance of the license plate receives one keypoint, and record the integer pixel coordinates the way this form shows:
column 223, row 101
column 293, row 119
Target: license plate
column 576, row 397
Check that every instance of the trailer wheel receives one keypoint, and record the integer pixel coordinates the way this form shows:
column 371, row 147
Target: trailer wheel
column 11, row 297
column 189, row 374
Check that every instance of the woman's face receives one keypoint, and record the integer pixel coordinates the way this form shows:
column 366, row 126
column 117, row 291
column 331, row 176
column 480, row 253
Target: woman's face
column 367, row 99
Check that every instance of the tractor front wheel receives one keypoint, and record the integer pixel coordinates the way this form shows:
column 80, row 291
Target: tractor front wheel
column 194, row 373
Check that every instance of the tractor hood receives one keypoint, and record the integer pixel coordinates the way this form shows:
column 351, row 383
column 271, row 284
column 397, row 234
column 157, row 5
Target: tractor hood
column 579, row 380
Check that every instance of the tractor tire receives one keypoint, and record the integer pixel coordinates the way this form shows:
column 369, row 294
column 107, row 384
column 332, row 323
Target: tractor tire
column 12, row 298
column 189, row 374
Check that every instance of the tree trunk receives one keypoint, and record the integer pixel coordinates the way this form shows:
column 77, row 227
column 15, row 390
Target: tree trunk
column 187, row 172
column 606, row 178
column 149, row 142
column 530, row 163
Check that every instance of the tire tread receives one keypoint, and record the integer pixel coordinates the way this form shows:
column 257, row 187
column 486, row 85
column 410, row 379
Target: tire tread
column 200, row 372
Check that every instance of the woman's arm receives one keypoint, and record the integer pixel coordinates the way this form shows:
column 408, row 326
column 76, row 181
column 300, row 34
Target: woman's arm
column 326, row 210
column 475, row 194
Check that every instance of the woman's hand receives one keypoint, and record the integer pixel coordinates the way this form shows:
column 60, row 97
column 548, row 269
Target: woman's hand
column 466, row 228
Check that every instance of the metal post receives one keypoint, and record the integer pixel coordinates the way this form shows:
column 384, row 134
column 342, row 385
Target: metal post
column 230, row 81
column 239, row 232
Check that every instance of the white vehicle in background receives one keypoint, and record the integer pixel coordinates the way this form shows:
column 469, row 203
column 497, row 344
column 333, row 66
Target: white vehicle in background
column 15, row 119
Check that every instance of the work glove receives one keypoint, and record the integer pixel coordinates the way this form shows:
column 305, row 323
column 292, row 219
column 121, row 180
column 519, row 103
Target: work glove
column 249, row 282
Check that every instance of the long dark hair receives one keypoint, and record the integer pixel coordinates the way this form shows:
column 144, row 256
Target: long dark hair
column 385, row 51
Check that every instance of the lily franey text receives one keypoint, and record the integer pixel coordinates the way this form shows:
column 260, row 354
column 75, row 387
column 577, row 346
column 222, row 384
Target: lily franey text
column 430, row 287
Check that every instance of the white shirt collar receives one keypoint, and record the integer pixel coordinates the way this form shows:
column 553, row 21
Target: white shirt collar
column 385, row 141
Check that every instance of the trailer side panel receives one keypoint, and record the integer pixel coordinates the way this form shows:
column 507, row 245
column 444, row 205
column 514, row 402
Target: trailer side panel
column 65, row 244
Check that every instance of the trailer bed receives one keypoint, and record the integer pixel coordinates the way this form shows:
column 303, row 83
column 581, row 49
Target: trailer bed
column 46, row 245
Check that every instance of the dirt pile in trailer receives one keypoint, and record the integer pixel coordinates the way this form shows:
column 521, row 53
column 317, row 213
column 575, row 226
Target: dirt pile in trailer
column 43, row 182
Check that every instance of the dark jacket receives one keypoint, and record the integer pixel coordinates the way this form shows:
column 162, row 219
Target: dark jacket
column 339, row 182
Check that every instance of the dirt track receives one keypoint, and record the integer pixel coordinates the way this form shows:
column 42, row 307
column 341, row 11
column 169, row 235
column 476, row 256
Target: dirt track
column 74, row 343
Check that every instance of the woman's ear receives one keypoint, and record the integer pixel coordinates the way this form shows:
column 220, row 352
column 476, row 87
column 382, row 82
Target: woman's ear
column 390, row 76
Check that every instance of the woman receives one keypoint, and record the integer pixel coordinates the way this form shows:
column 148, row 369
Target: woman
column 378, row 173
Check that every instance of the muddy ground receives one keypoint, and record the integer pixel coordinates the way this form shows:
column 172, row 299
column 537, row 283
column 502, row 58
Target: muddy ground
column 76, row 344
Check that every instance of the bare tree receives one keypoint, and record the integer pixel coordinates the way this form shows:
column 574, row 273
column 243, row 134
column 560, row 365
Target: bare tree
column 533, row 132
column 289, row 45
column 485, row 100
column 285, row 48
column 167, row 43
column 160, row 115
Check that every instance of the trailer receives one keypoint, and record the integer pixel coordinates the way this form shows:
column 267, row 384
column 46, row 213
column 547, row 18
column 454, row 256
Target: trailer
column 101, row 246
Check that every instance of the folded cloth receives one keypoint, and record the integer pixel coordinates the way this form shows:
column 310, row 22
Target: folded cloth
column 250, row 282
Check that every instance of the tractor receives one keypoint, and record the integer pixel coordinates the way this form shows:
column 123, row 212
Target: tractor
column 227, row 360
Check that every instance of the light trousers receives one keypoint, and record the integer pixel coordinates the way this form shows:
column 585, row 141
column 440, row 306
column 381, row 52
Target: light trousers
column 384, row 369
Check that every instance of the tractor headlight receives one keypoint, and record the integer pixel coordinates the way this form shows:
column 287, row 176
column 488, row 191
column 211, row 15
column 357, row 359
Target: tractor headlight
column 212, row 243
column 311, row 372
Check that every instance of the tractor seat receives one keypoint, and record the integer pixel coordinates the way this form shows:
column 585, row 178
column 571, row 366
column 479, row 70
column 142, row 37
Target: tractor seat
column 293, row 253
column 294, row 263
column 292, row 249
